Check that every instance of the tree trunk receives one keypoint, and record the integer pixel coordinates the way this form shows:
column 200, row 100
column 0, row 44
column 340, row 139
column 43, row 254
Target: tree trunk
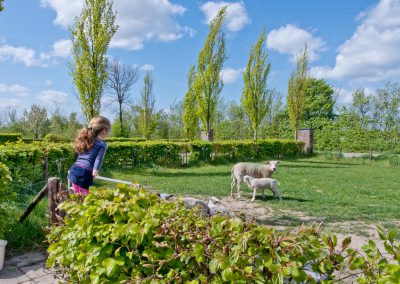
column 255, row 134
column 121, row 131
column 295, row 134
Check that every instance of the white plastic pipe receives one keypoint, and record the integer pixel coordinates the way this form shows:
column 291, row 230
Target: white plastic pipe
column 117, row 181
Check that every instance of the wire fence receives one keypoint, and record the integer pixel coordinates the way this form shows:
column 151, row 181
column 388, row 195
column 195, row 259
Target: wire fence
column 27, row 181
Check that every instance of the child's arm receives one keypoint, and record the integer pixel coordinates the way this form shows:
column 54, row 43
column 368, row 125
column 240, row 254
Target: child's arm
column 99, row 160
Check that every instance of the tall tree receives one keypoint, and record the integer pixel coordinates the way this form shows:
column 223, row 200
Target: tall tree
column 1, row 5
column 91, row 35
column 35, row 121
column 73, row 125
column 189, row 116
column 146, row 119
column 296, row 91
column 319, row 102
column 58, row 123
column 361, row 107
column 255, row 96
column 121, row 78
column 208, row 82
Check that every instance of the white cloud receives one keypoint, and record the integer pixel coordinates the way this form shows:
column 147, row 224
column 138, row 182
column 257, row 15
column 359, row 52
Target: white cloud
column 62, row 48
column 139, row 21
column 48, row 82
column 345, row 96
column 10, row 103
column 231, row 75
column 52, row 96
column 372, row 53
column 291, row 39
column 20, row 54
column 28, row 56
column 66, row 11
column 147, row 67
column 236, row 14
column 15, row 89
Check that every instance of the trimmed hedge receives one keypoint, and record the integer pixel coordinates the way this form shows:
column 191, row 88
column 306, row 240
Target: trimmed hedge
column 56, row 138
column 126, row 235
column 131, row 154
column 28, row 163
column 9, row 137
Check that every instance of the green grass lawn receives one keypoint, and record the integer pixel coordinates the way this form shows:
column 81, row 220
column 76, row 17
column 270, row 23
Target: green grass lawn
column 334, row 191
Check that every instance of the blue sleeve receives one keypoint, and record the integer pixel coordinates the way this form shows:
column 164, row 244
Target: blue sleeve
column 100, row 157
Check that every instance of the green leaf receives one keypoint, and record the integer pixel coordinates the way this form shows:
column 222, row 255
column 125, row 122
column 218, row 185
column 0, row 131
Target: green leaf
column 392, row 235
column 111, row 266
column 227, row 274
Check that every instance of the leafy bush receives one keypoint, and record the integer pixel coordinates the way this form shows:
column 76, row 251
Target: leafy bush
column 126, row 235
column 124, row 139
column 27, row 161
column 5, row 179
column 9, row 137
column 56, row 138
column 31, row 140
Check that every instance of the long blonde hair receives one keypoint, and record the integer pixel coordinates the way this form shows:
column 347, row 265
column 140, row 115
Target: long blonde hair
column 85, row 139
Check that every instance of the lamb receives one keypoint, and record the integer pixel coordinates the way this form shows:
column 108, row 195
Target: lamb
column 262, row 184
column 252, row 169
column 215, row 208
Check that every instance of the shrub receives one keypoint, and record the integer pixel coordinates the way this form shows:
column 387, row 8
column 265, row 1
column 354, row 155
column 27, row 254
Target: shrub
column 124, row 139
column 9, row 137
column 126, row 235
column 26, row 161
column 5, row 179
column 31, row 140
column 56, row 138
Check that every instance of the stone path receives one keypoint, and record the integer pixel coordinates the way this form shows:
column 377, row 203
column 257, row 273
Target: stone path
column 27, row 268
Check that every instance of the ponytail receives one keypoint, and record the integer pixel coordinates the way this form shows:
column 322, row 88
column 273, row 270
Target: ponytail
column 85, row 140
column 86, row 136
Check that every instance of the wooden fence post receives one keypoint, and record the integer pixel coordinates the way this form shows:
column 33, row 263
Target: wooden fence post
column 45, row 167
column 57, row 194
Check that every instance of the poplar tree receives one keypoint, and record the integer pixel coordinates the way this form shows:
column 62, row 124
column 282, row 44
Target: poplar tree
column 208, row 82
column 189, row 116
column 296, row 91
column 146, row 117
column 255, row 94
column 91, row 34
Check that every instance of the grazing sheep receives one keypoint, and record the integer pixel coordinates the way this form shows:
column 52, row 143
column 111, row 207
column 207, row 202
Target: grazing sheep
column 252, row 169
column 262, row 184
column 217, row 209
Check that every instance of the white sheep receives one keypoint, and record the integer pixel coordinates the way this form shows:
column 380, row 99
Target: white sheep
column 262, row 184
column 251, row 169
column 217, row 209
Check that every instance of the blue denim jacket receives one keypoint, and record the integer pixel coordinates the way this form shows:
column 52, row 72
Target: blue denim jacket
column 93, row 158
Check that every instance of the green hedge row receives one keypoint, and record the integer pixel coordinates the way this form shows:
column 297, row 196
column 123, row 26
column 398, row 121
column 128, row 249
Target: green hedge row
column 29, row 163
column 126, row 235
column 126, row 154
column 9, row 137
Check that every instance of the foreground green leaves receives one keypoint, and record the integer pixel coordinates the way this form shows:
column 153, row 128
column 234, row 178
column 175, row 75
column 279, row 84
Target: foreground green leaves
column 126, row 235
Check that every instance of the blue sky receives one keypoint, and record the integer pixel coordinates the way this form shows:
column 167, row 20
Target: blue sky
column 352, row 44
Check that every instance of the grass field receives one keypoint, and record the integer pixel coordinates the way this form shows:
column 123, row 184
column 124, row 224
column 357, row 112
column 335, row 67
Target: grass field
column 330, row 190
